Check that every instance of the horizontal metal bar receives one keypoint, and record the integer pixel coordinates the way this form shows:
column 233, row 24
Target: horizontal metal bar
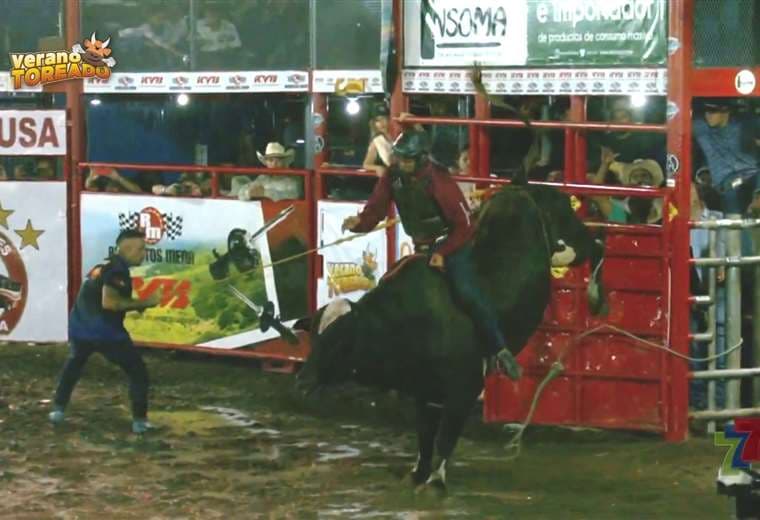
column 353, row 172
column 726, row 373
column 701, row 300
column 725, row 414
column 559, row 125
column 729, row 261
column 702, row 337
column 194, row 168
column 725, row 223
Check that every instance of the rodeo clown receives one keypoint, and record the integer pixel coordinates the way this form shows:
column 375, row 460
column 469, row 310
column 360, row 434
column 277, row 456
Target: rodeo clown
column 97, row 325
column 435, row 214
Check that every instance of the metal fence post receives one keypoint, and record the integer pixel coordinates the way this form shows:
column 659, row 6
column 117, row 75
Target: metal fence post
column 733, row 313
column 756, row 317
column 712, row 320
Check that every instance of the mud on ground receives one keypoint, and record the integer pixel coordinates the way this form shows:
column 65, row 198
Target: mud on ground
column 238, row 443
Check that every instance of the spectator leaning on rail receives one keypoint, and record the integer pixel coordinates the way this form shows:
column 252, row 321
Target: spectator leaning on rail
column 729, row 145
column 274, row 187
column 110, row 180
column 96, row 324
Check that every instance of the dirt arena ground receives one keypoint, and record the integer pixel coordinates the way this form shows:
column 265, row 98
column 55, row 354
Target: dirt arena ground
column 238, row 443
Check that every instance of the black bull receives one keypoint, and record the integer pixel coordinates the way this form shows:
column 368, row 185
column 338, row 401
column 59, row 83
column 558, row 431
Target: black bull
column 409, row 334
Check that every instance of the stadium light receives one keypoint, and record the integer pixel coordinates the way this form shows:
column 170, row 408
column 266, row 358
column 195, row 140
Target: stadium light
column 638, row 100
column 352, row 107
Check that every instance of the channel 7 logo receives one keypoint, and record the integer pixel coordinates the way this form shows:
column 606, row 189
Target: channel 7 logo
column 742, row 438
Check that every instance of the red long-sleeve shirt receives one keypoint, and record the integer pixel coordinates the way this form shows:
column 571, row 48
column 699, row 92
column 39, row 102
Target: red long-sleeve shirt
column 446, row 193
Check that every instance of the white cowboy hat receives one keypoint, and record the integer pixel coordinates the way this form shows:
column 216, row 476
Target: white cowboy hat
column 276, row 150
column 624, row 170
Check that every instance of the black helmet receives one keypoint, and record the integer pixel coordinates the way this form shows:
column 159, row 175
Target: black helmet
column 411, row 144
column 378, row 110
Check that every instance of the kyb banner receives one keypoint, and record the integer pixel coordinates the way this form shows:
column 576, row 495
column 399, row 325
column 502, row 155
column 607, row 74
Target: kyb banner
column 32, row 132
column 506, row 33
column 200, row 82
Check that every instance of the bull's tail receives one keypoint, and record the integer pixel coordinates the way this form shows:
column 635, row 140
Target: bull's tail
column 521, row 178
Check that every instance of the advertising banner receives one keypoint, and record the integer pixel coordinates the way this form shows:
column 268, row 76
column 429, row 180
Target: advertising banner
column 537, row 33
column 597, row 32
column 196, row 249
column 352, row 268
column 451, row 33
column 32, row 132
column 33, row 256
column 527, row 82
column 200, row 82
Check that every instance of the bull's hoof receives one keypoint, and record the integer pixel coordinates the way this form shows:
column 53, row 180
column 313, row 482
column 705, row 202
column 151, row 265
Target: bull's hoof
column 416, row 478
column 435, row 487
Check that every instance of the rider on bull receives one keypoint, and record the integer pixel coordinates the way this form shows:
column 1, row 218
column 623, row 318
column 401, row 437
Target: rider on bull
column 435, row 214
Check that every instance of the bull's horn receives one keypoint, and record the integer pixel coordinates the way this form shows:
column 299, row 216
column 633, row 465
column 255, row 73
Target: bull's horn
column 92, row 38
column 105, row 43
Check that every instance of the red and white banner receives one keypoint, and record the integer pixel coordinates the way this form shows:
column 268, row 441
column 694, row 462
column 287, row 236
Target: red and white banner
column 325, row 80
column 521, row 82
column 201, row 82
column 33, row 267
column 32, row 132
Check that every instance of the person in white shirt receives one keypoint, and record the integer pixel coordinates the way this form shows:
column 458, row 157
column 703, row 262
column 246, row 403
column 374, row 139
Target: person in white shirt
column 160, row 36
column 378, row 157
column 274, row 187
column 215, row 34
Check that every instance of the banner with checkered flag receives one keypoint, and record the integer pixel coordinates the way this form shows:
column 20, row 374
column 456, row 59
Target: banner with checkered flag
column 129, row 220
column 173, row 225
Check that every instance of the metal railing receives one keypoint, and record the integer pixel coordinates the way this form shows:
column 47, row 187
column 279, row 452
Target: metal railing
column 732, row 261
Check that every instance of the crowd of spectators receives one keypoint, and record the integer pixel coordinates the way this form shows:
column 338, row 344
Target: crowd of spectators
column 24, row 168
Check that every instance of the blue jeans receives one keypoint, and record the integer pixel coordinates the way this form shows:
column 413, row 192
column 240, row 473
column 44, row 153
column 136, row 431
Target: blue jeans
column 123, row 354
column 736, row 199
column 464, row 283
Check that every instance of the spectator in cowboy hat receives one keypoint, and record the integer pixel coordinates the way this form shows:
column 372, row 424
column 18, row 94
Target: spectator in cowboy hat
column 639, row 173
column 275, row 187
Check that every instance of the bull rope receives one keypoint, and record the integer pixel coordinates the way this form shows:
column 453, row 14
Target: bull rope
column 384, row 225
column 557, row 368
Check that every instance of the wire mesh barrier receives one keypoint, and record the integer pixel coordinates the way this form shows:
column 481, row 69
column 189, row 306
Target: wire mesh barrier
column 726, row 34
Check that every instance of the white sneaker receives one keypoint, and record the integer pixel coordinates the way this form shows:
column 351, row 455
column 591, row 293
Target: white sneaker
column 56, row 416
column 140, row 426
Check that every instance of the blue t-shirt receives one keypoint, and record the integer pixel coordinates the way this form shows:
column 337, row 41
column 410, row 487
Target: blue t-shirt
column 89, row 321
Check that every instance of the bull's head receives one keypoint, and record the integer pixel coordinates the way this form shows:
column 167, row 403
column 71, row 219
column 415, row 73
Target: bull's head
column 333, row 337
column 96, row 50
column 570, row 241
